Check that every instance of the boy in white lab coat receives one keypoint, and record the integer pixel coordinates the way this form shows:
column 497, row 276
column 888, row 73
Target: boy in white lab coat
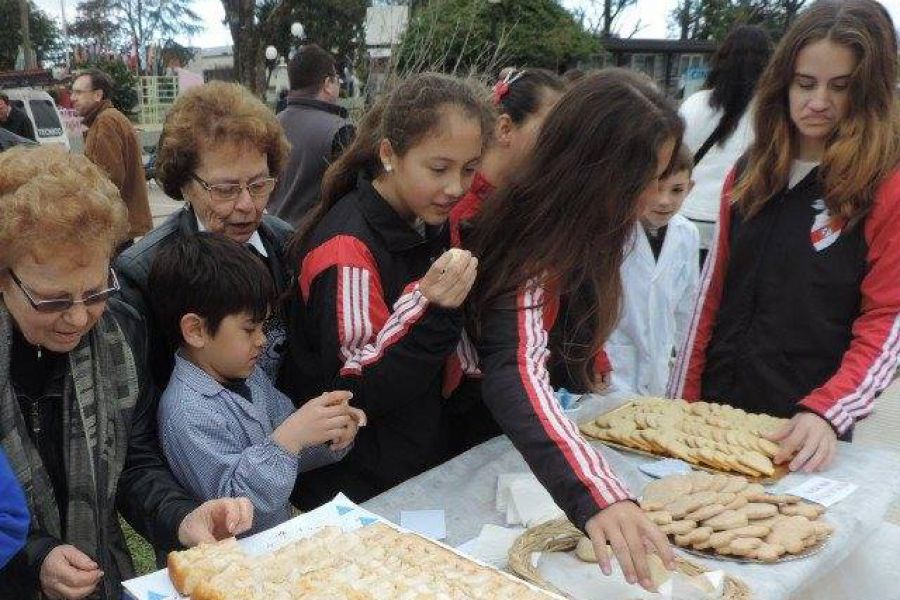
column 660, row 276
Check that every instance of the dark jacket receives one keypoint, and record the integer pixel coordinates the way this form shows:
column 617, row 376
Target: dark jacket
column 361, row 324
column 18, row 123
column 147, row 496
column 112, row 144
column 9, row 139
column 799, row 310
column 133, row 268
column 318, row 132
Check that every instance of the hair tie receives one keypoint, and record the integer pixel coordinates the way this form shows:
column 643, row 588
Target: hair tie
column 501, row 88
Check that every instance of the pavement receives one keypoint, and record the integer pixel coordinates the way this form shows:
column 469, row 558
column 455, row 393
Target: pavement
column 161, row 206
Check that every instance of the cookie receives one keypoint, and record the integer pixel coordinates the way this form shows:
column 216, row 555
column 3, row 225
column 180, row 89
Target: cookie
column 659, row 517
column 738, row 502
column 719, row 482
column 774, row 498
column 700, row 481
column 757, row 462
column 584, row 550
column 706, row 512
column 720, row 539
column 804, row 509
column 759, row 510
column 822, row 529
column 678, row 527
column 730, row 519
column 768, row 552
column 744, row 546
column 755, row 531
column 735, row 484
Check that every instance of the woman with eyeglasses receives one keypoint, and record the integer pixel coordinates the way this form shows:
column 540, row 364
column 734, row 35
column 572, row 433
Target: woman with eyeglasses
column 219, row 151
column 77, row 413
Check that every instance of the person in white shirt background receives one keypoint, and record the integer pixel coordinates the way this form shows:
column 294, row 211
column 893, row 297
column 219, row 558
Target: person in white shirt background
column 660, row 275
column 718, row 127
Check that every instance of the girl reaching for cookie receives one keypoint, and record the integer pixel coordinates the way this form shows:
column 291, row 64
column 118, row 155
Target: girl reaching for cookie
column 550, row 247
column 799, row 307
column 378, row 309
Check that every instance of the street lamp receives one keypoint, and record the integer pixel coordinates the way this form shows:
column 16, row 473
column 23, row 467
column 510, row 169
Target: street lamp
column 297, row 30
column 271, row 57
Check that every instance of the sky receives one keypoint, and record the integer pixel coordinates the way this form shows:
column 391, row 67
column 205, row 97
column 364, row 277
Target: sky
column 649, row 16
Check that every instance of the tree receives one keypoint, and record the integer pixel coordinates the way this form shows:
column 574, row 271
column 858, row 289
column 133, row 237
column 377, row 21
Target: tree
column 42, row 30
column 119, row 24
column 255, row 24
column 466, row 37
column 713, row 19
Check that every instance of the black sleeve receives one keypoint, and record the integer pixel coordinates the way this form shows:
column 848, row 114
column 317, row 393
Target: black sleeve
column 148, row 496
column 342, row 140
column 385, row 367
column 22, row 576
column 28, row 128
column 516, row 387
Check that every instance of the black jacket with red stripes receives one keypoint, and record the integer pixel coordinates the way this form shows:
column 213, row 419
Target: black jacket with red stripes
column 798, row 310
column 520, row 345
column 361, row 324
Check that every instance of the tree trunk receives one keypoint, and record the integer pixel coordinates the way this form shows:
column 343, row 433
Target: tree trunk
column 27, row 50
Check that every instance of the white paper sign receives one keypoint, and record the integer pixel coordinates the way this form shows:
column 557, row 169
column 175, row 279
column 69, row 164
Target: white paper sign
column 821, row 490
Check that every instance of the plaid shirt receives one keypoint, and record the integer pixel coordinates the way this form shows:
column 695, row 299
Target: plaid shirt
column 219, row 444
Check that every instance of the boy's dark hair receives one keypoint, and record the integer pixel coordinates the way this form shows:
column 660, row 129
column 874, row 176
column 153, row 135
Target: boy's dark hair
column 309, row 68
column 525, row 92
column 682, row 160
column 4, row 97
column 210, row 275
column 100, row 80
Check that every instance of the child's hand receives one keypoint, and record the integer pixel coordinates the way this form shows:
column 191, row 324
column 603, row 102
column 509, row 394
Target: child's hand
column 450, row 278
column 349, row 432
column 318, row 421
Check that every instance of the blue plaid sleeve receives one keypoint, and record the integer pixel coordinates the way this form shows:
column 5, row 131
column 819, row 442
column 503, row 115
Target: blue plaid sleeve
column 212, row 463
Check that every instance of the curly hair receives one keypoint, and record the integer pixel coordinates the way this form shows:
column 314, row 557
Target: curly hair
column 52, row 200
column 214, row 113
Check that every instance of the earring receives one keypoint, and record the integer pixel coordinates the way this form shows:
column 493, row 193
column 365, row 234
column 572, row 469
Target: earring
column 388, row 168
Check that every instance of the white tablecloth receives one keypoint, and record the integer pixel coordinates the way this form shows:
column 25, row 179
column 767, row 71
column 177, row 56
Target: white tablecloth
column 465, row 488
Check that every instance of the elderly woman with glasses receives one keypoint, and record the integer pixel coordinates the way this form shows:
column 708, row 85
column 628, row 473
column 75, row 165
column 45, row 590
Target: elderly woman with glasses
column 77, row 410
column 220, row 151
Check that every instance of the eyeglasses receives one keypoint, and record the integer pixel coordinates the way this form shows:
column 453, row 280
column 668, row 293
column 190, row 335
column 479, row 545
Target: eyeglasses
column 229, row 192
column 64, row 304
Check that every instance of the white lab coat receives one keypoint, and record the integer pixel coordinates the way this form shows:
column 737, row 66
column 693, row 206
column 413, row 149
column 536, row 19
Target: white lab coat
column 657, row 304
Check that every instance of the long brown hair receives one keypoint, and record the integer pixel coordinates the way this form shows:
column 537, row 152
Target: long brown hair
column 865, row 146
column 569, row 213
column 412, row 110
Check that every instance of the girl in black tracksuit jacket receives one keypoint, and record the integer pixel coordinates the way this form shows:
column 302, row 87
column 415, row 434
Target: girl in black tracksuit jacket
column 550, row 247
column 378, row 307
column 799, row 310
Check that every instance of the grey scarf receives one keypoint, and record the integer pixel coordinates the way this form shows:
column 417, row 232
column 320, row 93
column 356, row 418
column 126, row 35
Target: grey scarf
column 100, row 393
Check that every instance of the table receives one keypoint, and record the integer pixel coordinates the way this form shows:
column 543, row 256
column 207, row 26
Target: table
column 465, row 488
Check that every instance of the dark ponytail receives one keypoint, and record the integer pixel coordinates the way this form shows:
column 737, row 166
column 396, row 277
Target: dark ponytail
column 519, row 93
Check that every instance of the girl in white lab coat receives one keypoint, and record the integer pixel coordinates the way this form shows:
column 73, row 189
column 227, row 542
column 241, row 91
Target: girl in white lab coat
column 659, row 278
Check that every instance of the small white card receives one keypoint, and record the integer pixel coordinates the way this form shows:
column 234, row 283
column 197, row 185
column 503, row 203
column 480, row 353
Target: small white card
column 430, row 523
column 665, row 467
column 821, row 490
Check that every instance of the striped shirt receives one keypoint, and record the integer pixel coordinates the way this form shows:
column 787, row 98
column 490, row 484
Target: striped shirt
column 219, row 444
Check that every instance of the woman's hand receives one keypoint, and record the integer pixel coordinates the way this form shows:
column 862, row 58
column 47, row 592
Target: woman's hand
column 809, row 440
column 67, row 573
column 215, row 520
column 624, row 526
column 450, row 278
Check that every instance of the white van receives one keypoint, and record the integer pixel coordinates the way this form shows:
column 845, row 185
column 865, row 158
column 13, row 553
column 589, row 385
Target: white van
column 41, row 109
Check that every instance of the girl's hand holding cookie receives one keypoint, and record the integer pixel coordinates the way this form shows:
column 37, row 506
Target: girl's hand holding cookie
column 450, row 278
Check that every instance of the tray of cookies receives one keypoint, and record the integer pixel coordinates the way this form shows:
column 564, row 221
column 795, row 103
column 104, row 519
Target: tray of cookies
column 727, row 517
column 714, row 437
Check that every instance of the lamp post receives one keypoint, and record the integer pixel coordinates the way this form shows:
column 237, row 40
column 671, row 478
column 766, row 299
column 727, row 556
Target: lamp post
column 271, row 57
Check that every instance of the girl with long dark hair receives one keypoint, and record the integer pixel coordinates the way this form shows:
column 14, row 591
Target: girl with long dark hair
column 550, row 247
column 717, row 120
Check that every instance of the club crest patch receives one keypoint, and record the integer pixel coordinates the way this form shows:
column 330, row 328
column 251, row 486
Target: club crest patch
column 826, row 229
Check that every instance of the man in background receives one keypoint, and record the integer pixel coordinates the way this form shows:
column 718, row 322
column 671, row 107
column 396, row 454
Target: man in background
column 111, row 143
column 317, row 128
column 14, row 119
